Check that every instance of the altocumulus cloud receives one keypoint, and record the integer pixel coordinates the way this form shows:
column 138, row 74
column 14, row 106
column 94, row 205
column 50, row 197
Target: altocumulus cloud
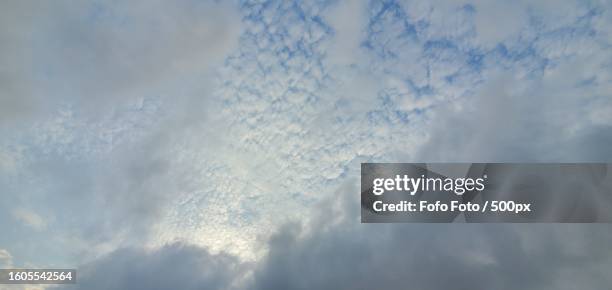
column 140, row 144
column 94, row 96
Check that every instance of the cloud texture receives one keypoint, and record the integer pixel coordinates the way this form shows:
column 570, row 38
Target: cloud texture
column 227, row 136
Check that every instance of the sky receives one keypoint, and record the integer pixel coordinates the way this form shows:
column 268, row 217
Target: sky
column 217, row 144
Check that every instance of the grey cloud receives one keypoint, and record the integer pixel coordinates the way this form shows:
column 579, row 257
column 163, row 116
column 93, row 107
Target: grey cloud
column 130, row 48
column 97, row 55
column 175, row 266
column 592, row 144
column 17, row 96
column 6, row 260
column 99, row 159
column 116, row 198
column 335, row 251
column 29, row 218
column 549, row 107
column 350, row 255
column 513, row 119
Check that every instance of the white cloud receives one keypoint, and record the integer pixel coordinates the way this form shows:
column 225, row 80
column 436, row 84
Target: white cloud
column 348, row 20
column 6, row 260
column 29, row 218
column 499, row 21
column 10, row 161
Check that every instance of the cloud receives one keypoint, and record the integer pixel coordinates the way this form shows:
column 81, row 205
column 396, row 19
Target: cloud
column 545, row 89
column 118, row 51
column 174, row 266
column 29, row 218
column 348, row 20
column 6, row 260
column 105, row 94
column 98, row 55
column 509, row 21
column 17, row 77
column 10, row 161
column 335, row 251
column 133, row 142
column 553, row 111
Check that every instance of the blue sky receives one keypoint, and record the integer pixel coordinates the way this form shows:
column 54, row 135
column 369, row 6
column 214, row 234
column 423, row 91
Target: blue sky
column 226, row 125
